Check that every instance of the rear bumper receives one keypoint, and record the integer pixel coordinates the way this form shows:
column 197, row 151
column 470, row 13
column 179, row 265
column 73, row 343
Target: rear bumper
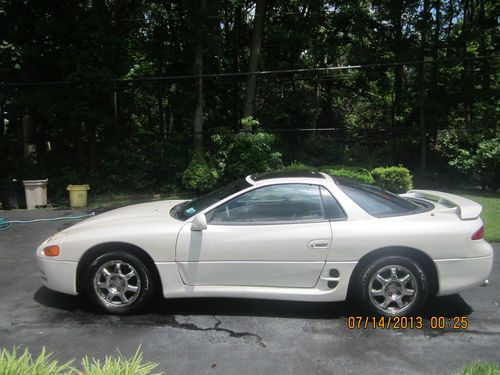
column 58, row 275
column 456, row 275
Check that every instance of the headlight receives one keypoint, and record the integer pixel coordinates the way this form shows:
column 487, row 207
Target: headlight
column 55, row 237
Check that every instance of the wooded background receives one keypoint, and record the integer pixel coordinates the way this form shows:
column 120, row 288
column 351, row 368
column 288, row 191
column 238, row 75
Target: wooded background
column 120, row 93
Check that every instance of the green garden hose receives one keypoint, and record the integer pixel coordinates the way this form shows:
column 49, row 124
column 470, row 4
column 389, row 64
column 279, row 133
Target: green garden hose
column 6, row 224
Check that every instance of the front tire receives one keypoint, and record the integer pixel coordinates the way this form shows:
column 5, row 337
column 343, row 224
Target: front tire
column 392, row 286
column 118, row 283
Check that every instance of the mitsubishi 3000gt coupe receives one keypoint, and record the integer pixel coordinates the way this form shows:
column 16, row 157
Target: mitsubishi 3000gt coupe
column 302, row 236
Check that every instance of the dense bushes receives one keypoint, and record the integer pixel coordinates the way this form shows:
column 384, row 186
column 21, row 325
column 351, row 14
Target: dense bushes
column 394, row 179
column 473, row 155
column 234, row 155
column 198, row 176
column 249, row 151
column 355, row 173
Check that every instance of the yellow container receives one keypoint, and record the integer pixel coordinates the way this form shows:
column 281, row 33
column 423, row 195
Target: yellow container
column 78, row 195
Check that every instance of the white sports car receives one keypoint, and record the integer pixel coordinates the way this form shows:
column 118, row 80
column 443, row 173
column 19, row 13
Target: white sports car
column 302, row 236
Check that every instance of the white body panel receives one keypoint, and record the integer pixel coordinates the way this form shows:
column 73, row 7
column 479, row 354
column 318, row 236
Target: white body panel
column 254, row 255
column 277, row 261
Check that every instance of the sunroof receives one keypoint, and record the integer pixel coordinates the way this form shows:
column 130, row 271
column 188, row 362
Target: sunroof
column 285, row 174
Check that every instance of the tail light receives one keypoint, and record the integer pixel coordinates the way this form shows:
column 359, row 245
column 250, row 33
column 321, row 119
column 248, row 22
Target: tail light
column 478, row 234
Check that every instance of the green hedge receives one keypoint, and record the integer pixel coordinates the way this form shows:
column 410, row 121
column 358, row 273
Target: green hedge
column 395, row 179
column 355, row 173
column 296, row 166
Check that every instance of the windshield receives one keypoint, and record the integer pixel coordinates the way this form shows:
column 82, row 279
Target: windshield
column 190, row 208
column 375, row 201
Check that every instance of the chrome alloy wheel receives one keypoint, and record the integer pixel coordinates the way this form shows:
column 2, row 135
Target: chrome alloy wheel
column 393, row 289
column 117, row 283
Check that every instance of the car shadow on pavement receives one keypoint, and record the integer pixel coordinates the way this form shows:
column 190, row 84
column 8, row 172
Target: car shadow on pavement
column 449, row 306
column 46, row 297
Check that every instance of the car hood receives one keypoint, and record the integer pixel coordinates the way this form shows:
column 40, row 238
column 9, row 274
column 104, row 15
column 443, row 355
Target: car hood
column 143, row 212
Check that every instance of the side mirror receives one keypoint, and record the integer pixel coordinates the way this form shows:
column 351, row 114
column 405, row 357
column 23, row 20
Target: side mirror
column 199, row 222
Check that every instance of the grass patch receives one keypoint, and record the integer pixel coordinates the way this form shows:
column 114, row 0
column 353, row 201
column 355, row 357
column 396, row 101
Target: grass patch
column 490, row 215
column 480, row 368
column 14, row 363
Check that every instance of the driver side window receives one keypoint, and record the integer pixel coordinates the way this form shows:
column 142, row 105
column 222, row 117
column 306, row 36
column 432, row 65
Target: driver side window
column 271, row 204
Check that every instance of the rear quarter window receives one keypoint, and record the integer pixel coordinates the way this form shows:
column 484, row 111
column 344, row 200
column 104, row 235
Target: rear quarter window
column 377, row 202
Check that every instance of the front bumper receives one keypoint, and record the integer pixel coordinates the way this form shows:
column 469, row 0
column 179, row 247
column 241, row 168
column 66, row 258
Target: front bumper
column 456, row 275
column 58, row 275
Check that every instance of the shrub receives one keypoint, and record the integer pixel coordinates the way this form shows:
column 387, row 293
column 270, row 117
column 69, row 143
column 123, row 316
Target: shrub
column 355, row 173
column 198, row 176
column 296, row 166
column 487, row 163
column 394, row 179
column 473, row 155
column 250, row 151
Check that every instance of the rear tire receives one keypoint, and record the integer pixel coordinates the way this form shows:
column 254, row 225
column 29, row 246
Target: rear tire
column 118, row 283
column 392, row 286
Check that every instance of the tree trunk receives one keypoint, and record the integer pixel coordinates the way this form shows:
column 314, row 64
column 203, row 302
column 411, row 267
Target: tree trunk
column 435, row 47
column 398, row 81
column 421, row 78
column 258, row 26
column 29, row 135
column 485, row 67
column 198, row 70
column 466, row 77
column 161, row 115
column 171, row 117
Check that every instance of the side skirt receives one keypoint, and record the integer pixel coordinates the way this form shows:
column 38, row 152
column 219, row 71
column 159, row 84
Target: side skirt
column 331, row 286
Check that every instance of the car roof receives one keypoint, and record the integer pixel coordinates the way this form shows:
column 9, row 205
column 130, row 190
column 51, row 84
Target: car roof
column 285, row 174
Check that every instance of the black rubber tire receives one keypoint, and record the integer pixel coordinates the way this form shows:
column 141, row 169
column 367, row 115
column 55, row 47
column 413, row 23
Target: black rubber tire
column 362, row 285
column 146, row 291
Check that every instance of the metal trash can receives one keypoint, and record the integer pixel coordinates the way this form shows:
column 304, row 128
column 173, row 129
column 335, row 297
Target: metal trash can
column 78, row 195
column 36, row 193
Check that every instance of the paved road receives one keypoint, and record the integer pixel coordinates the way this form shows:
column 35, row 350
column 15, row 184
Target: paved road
column 232, row 336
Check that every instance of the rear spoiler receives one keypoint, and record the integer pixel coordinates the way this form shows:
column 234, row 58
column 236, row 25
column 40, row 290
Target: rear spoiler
column 467, row 209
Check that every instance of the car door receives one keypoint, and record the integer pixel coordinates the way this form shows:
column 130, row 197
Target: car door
column 272, row 236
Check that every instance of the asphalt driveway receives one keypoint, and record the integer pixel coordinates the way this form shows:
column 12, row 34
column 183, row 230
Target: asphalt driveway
column 233, row 336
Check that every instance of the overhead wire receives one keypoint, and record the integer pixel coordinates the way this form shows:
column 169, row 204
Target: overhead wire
column 242, row 74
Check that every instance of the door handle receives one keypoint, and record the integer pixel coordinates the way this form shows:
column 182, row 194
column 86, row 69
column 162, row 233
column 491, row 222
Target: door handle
column 319, row 244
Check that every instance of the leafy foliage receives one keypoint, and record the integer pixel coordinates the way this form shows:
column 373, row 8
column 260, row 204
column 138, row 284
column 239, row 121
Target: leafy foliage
column 198, row 176
column 250, row 151
column 12, row 362
column 299, row 167
column 476, row 155
column 138, row 135
column 395, row 179
column 355, row 173
column 119, row 365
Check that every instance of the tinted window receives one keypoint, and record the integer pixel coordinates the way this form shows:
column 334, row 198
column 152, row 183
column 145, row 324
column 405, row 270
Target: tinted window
column 375, row 201
column 187, row 209
column 284, row 202
column 333, row 210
